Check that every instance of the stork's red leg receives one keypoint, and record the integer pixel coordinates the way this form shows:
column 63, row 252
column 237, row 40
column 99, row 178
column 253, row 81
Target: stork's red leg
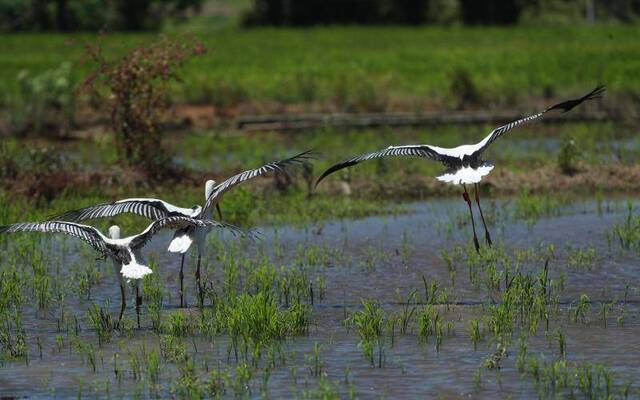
column 487, row 235
column 466, row 198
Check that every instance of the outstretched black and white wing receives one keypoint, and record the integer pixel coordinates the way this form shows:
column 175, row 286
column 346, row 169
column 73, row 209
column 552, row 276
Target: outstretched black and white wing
column 220, row 189
column 84, row 232
column 419, row 150
column 564, row 106
column 150, row 208
column 179, row 223
column 454, row 157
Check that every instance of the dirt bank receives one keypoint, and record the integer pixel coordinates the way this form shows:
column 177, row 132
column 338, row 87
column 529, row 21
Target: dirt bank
column 590, row 179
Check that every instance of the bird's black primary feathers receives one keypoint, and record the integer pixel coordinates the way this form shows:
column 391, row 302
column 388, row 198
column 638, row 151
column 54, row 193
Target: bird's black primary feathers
column 568, row 105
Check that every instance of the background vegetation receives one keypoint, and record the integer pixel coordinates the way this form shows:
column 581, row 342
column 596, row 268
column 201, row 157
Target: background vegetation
column 341, row 62
column 89, row 117
column 93, row 15
column 295, row 70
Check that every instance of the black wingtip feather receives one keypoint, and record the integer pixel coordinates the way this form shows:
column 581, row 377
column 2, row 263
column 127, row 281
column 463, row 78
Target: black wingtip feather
column 333, row 169
column 568, row 105
column 300, row 159
column 308, row 154
column 304, row 157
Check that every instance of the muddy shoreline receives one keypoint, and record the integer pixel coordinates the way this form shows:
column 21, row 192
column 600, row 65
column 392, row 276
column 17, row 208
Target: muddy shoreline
column 588, row 180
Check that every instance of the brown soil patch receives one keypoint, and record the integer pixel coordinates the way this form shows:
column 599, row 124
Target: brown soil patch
column 114, row 183
column 89, row 121
column 588, row 180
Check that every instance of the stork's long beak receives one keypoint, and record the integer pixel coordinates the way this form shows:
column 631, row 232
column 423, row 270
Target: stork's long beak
column 219, row 210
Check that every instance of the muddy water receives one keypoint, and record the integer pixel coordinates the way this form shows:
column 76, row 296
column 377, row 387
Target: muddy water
column 367, row 262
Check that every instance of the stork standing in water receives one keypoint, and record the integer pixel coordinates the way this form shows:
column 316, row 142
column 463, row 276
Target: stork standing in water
column 184, row 237
column 124, row 252
column 464, row 163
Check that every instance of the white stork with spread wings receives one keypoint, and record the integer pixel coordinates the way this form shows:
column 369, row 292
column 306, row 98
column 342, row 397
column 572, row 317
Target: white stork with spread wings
column 124, row 252
column 464, row 163
column 184, row 237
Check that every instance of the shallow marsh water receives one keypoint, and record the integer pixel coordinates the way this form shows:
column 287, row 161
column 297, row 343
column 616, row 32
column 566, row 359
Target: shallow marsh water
column 381, row 258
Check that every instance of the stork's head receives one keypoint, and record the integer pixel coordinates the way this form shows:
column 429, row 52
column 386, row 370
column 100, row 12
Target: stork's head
column 208, row 188
column 114, row 232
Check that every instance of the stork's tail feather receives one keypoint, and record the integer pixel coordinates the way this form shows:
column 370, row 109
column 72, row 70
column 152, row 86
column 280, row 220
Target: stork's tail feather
column 571, row 104
column 135, row 271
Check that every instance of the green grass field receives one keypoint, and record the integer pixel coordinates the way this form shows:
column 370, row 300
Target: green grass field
column 327, row 63
column 334, row 63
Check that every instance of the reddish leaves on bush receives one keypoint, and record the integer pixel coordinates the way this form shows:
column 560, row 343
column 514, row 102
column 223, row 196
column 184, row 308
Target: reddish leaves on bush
column 134, row 89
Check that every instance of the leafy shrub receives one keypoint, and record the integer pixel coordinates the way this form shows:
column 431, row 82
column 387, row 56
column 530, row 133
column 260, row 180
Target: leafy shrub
column 45, row 103
column 134, row 88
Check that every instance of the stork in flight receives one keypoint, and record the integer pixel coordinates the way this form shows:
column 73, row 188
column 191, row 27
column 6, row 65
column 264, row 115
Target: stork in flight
column 464, row 163
column 184, row 237
column 124, row 252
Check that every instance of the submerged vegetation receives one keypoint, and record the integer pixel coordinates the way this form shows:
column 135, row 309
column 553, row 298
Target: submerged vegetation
column 272, row 311
column 627, row 233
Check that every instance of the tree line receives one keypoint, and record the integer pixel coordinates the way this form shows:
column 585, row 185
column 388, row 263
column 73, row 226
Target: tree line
column 443, row 12
column 91, row 15
column 136, row 15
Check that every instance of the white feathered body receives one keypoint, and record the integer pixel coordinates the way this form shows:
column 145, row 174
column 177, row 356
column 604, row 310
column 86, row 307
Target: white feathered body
column 184, row 238
column 136, row 267
column 466, row 175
